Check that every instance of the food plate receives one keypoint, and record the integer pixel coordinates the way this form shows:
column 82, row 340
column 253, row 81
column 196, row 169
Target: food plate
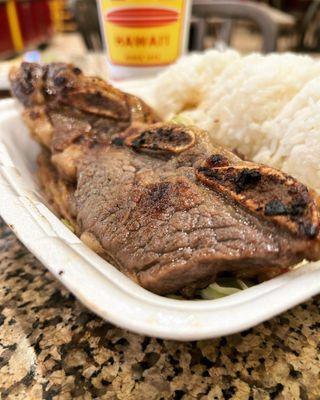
column 100, row 286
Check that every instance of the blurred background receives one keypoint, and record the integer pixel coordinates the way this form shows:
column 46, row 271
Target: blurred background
column 68, row 29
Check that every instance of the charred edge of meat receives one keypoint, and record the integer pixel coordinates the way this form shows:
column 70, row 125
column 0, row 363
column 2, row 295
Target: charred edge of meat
column 61, row 79
column 162, row 139
column 246, row 179
column 264, row 191
column 117, row 141
column 100, row 102
column 89, row 94
column 27, row 83
column 217, row 160
column 33, row 83
column 55, row 83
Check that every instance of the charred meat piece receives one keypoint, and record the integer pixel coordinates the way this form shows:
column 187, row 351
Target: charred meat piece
column 160, row 201
column 266, row 192
column 159, row 139
column 68, row 112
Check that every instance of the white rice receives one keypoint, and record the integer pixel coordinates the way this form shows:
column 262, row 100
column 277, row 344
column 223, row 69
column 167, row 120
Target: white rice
column 267, row 107
column 293, row 137
column 185, row 84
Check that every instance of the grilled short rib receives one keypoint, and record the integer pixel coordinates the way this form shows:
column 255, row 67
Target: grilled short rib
column 160, row 201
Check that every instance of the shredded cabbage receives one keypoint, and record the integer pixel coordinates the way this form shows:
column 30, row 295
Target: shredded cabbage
column 221, row 288
column 225, row 288
column 68, row 225
column 181, row 120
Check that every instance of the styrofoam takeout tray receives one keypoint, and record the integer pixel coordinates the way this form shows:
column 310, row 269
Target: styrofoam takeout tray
column 100, row 286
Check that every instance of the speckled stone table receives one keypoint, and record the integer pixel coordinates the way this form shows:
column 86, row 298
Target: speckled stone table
column 51, row 347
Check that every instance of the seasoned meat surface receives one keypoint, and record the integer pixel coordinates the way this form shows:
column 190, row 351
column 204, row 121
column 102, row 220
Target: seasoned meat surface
column 166, row 206
column 69, row 112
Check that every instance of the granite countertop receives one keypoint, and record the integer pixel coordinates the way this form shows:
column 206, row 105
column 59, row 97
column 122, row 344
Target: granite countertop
column 51, row 347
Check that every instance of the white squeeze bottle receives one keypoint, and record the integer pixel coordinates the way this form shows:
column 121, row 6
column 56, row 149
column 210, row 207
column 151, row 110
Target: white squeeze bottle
column 142, row 37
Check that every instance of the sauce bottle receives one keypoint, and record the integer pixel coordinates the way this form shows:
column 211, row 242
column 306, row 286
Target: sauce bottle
column 142, row 37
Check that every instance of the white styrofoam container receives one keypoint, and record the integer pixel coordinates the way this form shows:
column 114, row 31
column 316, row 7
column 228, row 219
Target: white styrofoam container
column 100, row 286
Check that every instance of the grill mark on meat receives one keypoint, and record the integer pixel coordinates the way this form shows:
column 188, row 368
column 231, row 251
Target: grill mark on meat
column 247, row 179
column 98, row 100
column 160, row 139
column 217, row 160
column 310, row 230
column 117, row 141
column 275, row 207
column 157, row 198
column 60, row 81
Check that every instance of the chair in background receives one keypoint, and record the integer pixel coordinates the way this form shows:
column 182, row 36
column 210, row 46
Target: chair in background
column 198, row 30
column 309, row 29
column 87, row 20
column 270, row 21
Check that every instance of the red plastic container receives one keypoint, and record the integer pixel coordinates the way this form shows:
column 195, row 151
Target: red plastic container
column 27, row 22
column 6, row 43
